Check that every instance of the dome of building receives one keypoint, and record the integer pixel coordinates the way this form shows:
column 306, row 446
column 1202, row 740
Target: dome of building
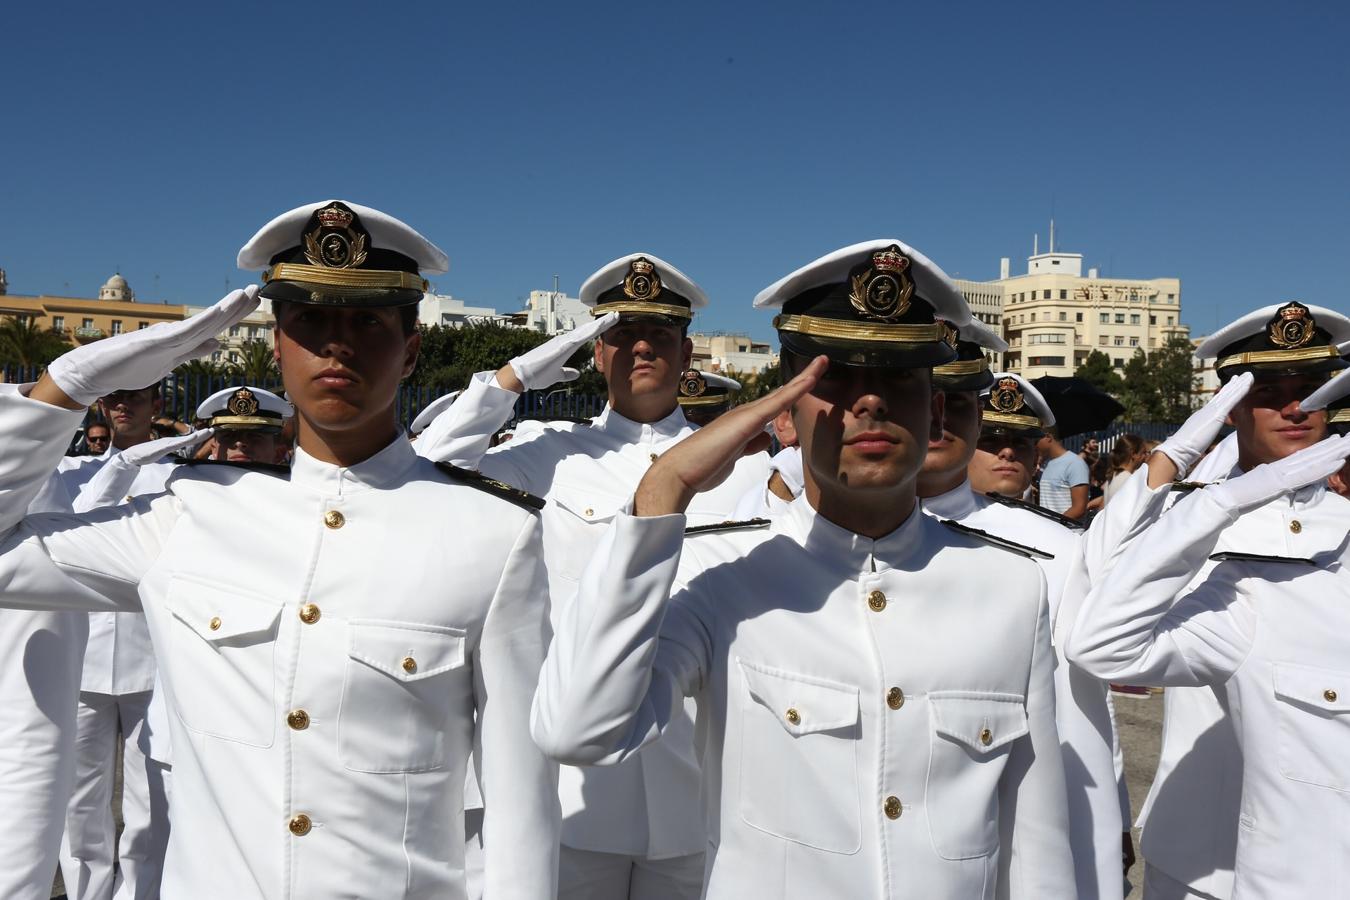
column 116, row 288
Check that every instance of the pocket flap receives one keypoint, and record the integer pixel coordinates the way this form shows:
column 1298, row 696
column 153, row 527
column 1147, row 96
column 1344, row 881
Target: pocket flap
column 981, row 721
column 218, row 612
column 406, row 650
column 800, row 703
column 586, row 503
column 1323, row 690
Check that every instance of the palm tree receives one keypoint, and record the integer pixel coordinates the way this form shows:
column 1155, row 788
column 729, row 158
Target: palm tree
column 256, row 364
column 24, row 343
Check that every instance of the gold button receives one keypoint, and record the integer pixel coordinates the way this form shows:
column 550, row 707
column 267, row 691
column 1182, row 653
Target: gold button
column 895, row 698
column 1330, row 695
column 876, row 601
column 214, row 624
column 298, row 719
column 300, row 825
column 334, row 519
column 654, row 457
column 892, row 807
column 309, row 613
column 794, row 717
column 589, row 512
column 1296, row 526
column 986, row 737
column 409, row 665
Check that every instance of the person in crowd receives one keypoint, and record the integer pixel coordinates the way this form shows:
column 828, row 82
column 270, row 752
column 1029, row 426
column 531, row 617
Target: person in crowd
column 97, row 438
column 850, row 716
column 1127, row 454
column 1064, row 478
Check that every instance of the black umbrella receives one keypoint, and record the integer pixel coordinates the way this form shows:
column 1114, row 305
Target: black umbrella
column 1079, row 406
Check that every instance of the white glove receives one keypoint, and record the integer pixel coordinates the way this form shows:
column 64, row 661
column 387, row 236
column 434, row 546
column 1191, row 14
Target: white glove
column 1330, row 392
column 1195, row 435
column 111, row 482
column 137, row 359
column 1266, row 482
column 543, row 365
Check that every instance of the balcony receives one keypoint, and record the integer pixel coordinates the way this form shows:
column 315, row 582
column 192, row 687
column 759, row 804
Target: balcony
column 88, row 334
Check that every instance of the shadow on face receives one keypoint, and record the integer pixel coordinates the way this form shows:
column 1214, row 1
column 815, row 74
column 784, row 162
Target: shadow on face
column 1003, row 462
column 1269, row 423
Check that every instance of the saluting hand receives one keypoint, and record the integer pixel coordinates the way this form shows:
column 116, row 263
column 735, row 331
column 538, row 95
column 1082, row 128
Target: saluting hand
column 703, row 460
column 1179, row 453
column 543, row 366
column 1270, row 480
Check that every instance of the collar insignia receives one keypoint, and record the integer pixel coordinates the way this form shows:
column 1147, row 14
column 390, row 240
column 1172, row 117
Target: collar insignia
column 884, row 291
column 1293, row 326
column 1006, row 397
column 643, row 282
column 334, row 243
column 692, row 383
column 242, row 402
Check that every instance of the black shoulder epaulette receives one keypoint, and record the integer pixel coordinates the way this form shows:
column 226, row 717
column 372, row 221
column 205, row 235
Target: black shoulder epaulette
column 492, row 486
column 1038, row 510
column 269, row 468
column 1020, row 549
column 727, row 526
column 1228, row 555
column 1186, row 487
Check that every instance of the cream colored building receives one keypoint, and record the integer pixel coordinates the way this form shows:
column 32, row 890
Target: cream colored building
column 721, row 352
column 83, row 319
column 985, row 299
column 1054, row 315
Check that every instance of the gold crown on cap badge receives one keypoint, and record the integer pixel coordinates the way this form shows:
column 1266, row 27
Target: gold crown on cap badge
column 1007, row 396
column 243, row 402
column 885, row 290
column 692, row 383
column 334, row 244
column 1293, row 326
column 642, row 282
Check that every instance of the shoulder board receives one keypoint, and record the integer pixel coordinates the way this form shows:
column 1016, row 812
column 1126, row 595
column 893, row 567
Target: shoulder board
column 1226, row 556
column 1038, row 510
column 1020, row 549
column 728, row 526
column 269, row 468
column 492, row 486
column 1186, row 487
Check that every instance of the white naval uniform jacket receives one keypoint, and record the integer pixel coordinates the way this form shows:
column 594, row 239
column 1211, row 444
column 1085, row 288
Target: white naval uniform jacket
column 325, row 641
column 1271, row 635
column 118, row 657
column 649, row 806
column 871, row 725
column 1083, row 714
column 1189, row 820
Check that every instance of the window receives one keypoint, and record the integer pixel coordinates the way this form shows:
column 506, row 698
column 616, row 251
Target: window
column 1063, row 294
column 1120, row 318
column 1171, row 296
column 1105, row 317
column 1033, row 317
column 1153, row 320
column 86, row 323
column 1134, row 342
column 1134, row 319
column 1118, row 341
column 1045, row 295
column 58, row 323
column 1078, row 317
column 116, row 326
column 234, row 331
column 1169, row 320
column 1064, row 317
column 140, row 325
column 1102, row 340
column 1120, row 363
column 1045, row 361
column 1047, row 339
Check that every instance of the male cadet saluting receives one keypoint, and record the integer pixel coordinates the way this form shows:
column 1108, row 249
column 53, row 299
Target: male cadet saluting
column 1082, row 712
column 1268, row 360
column 871, row 724
column 635, row 830
column 247, row 422
column 330, row 668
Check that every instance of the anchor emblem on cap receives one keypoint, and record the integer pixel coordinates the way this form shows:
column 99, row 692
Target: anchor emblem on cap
column 884, row 291
column 243, row 402
column 1006, row 397
column 642, row 281
column 1293, row 326
column 692, row 383
column 334, row 243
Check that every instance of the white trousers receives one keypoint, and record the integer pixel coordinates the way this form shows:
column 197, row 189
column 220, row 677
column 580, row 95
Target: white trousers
column 1158, row 885
column 586, row 875
column 40, row 664
column 90, row 847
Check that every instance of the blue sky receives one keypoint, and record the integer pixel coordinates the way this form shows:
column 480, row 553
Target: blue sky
column 1203, row 141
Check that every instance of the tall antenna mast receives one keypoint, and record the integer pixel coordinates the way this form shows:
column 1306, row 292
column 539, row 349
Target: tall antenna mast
column 1052, row 234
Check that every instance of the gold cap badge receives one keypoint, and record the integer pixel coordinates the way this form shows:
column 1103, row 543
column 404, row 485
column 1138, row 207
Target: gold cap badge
column 884, row 291
column 242, row 403
column 692, row 383
column 1293, row 326
column 334, row 243
column 1006, row 396
column 642, row 282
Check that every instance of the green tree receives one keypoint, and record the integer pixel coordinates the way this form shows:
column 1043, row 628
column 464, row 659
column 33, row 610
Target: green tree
column 1139, row 391
column 1098, row 371
column 450, row 356
column 24, row 343
column 256, row 364
column 1173, row 372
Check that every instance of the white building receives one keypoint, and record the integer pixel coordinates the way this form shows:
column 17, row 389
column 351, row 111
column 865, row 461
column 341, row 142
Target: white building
column 552, row 312
column 444, row 310
column 721, row 352
column 985, row 299
column 256, row 326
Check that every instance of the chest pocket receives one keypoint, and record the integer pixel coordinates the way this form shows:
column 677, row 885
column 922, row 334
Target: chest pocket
column 220, row 660
column 799, row 758
column 583, row 513
column 972, row 736
column 403, row 683
column 1313, row 709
